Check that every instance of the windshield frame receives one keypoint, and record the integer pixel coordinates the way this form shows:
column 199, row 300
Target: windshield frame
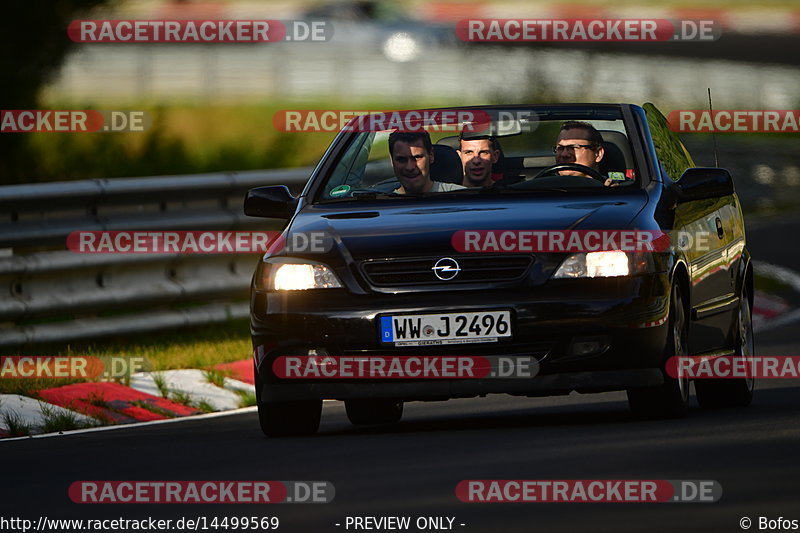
column 345, row 139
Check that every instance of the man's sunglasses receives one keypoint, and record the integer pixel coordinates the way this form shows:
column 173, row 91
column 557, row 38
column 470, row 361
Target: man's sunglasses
column 572, row 147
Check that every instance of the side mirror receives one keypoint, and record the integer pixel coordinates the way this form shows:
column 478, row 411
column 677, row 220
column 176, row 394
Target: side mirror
column 274, row 201
column 703, row 183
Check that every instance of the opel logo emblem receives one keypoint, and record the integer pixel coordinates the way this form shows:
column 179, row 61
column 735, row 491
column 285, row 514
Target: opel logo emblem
column 446, row 268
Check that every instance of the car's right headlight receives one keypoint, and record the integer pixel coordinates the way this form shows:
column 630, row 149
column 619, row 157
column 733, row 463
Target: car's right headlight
column 604, row 264
column 296, row 276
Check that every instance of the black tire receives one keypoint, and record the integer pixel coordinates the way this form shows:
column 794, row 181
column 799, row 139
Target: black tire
column 363, row 412
column 279, row 419
column 734, row 392
column 671, row 399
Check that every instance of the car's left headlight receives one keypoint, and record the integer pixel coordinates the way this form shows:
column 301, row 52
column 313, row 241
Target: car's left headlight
column 601, row 265
column 297, row 276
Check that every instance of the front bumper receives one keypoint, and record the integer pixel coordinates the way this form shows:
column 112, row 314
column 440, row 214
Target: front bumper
column 549, row 385
column 629, row 315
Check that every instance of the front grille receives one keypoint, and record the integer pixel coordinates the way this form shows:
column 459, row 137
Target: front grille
column 419, row 270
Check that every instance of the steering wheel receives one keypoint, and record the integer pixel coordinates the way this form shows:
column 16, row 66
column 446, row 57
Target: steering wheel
column 555, row 169
column 387, row 185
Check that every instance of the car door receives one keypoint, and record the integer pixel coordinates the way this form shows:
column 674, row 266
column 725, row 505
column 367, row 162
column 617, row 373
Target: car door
column 708, row 232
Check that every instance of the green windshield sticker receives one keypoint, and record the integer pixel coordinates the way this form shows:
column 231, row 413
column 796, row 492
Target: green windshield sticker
column 341, row 190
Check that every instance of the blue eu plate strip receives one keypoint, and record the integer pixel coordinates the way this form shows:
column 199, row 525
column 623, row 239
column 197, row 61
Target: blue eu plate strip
column 387, row 335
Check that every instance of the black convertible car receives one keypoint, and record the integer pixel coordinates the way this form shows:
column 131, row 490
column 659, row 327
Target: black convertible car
column 391, row 279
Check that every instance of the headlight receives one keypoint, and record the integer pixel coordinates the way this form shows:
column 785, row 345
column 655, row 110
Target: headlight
column 297, row 277
column 596, row 265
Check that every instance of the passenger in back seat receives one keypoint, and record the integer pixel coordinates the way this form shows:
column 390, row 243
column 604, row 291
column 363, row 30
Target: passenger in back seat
column 478, row 153
column 412, row 155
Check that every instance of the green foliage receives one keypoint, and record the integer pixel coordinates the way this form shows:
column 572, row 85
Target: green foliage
column 72, row 156
column 16, row 426
column 161, row 384
column 181, row 397
column 179, row 139
column 205, row 406
column 37, row 30
column 246, row 398
column 55, row 419
column 215, row 377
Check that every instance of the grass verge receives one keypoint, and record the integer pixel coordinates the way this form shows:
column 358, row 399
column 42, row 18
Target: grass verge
column 16, row 426
column 199, row 347
column 55, row 420
column 246, row 398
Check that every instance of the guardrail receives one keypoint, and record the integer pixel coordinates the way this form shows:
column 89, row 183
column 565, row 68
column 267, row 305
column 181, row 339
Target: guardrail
column 55, row 295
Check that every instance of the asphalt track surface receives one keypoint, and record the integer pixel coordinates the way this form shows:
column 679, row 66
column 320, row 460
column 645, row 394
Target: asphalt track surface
column 412, row 469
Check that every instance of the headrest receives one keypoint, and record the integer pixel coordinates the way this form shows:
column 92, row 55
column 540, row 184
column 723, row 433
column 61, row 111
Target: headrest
column 446, row 165
column 617, row 156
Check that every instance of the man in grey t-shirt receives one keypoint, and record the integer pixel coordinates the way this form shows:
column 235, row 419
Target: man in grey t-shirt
column 412, row 155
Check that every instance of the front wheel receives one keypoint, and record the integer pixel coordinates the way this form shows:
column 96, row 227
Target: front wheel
column 733, row 392
column 279, row 419
column 671, row 399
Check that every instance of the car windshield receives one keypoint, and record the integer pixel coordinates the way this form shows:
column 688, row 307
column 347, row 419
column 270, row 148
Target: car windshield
column 473, row 150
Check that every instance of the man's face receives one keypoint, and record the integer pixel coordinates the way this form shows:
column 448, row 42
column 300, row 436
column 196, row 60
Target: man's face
column 589, row 157
column 477, row 158
column 412, row 166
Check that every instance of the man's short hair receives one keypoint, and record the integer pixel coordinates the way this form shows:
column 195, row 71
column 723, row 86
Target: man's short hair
column 589, row 132
column 478, row 137
column 410, row 137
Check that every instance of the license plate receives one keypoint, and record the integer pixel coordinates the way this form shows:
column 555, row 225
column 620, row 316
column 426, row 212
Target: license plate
column 445, row 328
